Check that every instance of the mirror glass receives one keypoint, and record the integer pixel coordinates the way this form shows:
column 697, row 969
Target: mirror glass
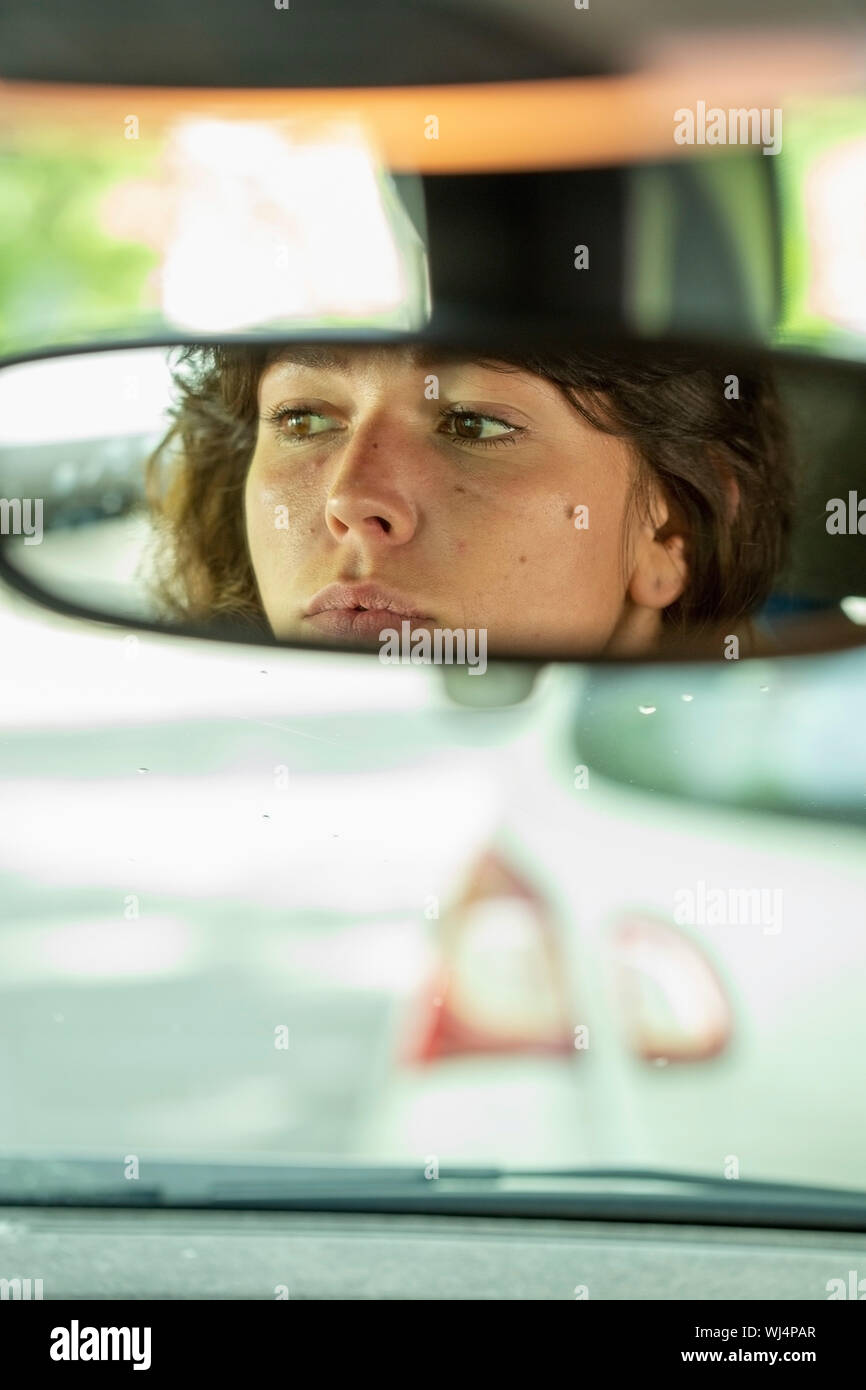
column 439, row 504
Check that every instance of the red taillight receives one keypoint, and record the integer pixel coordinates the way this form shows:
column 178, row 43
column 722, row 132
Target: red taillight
column 499, row 985
column 673, row 1002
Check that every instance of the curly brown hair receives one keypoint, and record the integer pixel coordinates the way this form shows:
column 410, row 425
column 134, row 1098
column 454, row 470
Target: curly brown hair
column 724, row 466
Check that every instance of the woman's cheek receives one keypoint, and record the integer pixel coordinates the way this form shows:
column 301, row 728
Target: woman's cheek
column 271, row 505
column 583, row 561
column 267, row 514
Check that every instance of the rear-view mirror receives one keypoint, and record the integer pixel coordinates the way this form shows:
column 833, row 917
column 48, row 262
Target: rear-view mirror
column 443, row 502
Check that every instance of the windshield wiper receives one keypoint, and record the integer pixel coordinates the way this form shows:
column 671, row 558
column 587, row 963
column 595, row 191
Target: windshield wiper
column 591, row 1194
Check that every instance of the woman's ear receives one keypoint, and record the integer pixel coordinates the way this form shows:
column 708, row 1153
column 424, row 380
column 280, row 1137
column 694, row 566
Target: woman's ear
column 659, row 572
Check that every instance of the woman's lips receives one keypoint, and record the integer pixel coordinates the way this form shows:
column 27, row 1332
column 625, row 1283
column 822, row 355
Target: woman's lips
column 362, row 610
column 361, row 622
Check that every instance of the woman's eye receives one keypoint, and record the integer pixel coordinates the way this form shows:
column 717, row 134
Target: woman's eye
column 302, row 424
column 298, row 423
column 472, row 428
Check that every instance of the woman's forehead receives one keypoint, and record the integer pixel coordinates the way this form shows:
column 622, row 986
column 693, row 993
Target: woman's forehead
column 349, row 358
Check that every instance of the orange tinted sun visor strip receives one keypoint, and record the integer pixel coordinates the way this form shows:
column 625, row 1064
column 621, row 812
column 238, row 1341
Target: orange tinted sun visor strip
column 563, row 123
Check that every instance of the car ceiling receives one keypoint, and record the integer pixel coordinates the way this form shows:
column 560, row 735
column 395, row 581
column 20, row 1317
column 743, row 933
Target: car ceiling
column 366, row 42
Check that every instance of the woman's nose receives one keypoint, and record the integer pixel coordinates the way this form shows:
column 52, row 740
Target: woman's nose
column 373, row 496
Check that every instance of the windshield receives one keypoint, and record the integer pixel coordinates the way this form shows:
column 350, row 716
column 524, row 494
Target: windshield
column 310, row 912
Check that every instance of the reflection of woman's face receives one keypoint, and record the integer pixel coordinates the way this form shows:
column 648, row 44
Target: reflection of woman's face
column 457, row 502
